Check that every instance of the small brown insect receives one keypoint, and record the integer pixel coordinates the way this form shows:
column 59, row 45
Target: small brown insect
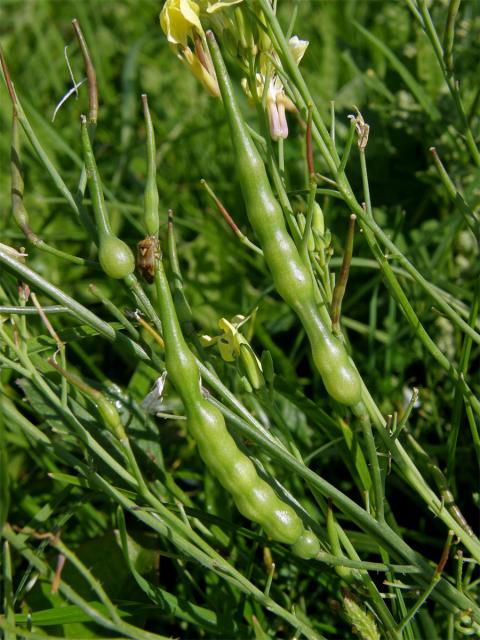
column 148, row 252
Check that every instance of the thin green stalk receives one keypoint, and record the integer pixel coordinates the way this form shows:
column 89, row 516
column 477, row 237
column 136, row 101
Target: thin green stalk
column 362, row 565
column 473, row 428
column 379, row 603
column 91, row 75
column 8, row 606
column 143, row 301
column 332, row 121
column 303, row 249
column 366, row 186
column 32, row 311
column 348, row 148
column 467, row 212
column 281, row 158
column 453, row 7
column 459, row 397
column 91, row 121
column 102, row 222
column 48, row 164
column 38, row 243
column 115, row 311
column 372, row 455
column 406, row 415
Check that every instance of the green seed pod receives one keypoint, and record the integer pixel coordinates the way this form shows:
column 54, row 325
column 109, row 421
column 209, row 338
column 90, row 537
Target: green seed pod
column 19, row 211
column 339, row 376
column 301, row 223
column 246, row 384
column 254, row 497
column 151, row 218
column 307, row 546
column 291, row 277
column 267, row 366
column 116, row 257
column 251, row 366
column 318, row 222
column 344, row 572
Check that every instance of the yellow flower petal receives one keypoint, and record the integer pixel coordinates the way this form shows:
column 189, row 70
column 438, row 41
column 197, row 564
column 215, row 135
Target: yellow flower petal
column 179, row 21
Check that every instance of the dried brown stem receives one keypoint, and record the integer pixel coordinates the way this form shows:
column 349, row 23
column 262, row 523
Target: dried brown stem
column 90, row 71
column 228, row 218
column 8, row 81
column 341, row 284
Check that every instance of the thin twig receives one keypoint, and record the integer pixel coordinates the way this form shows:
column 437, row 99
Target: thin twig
column 91, row 75
column 341, row 284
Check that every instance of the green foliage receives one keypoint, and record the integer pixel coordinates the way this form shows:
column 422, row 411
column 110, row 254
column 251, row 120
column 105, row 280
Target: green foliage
column 153, row 544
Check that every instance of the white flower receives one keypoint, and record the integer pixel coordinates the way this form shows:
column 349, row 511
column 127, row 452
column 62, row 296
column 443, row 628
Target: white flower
column 277, row 102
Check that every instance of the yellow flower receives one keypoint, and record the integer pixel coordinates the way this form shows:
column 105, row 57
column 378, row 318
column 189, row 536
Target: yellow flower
column 180, row 22
column 234, row 347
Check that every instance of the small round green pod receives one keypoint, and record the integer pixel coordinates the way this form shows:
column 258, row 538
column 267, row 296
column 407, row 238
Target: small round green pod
column 110, row 416
column 115, row 257
column 307, row 546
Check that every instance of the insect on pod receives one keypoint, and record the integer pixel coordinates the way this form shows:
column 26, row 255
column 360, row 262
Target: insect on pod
column 148, row 253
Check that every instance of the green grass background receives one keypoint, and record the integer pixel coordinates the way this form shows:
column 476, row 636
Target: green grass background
column 131, row 57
